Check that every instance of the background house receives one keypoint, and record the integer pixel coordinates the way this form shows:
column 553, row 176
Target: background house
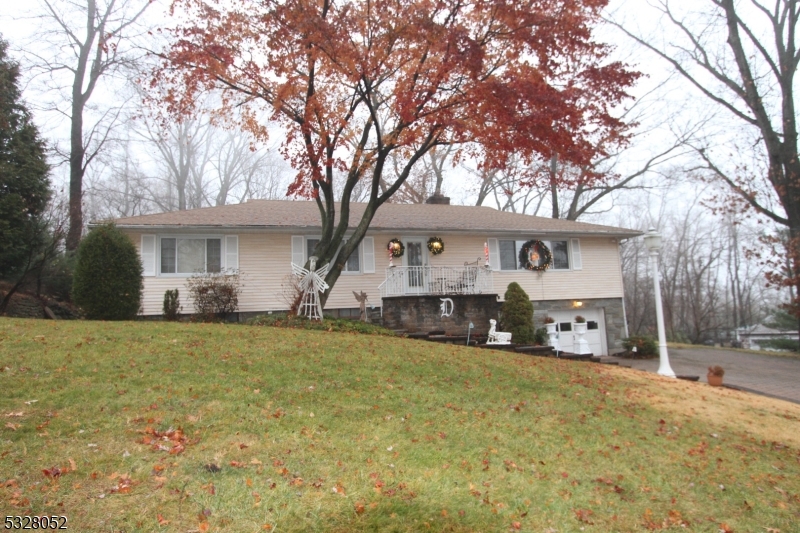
column 262, row 238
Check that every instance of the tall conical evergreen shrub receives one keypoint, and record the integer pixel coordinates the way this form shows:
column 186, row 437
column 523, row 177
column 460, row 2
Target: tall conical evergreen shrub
column 108, row 275
column 517, row 315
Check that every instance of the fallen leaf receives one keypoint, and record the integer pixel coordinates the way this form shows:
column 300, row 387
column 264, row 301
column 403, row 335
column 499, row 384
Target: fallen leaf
column 359, row 507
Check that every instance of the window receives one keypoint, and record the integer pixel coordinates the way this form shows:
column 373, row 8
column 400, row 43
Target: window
column 560, row 251
column 352, row 265
column 509, row 254
column 188, row 255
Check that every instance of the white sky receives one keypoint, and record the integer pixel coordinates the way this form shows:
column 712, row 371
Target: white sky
column 674, row 99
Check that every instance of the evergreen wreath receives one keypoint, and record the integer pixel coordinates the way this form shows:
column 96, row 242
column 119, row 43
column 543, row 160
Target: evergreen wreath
column 435, row 245
column 538, row 251
column 396, row 247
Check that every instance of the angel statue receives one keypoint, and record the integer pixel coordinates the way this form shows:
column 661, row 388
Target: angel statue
column 312, row 282
column 361, row 298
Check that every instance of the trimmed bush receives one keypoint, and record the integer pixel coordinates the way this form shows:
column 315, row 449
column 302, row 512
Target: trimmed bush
column 215, row 295
column 645, row 346
column 107, row 282
column 172, row 305
column 517, row 315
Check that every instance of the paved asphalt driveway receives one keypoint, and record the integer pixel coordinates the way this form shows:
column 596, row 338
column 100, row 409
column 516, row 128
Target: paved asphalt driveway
column 769, row 375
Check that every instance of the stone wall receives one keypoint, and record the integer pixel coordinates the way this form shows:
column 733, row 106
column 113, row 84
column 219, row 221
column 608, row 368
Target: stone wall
column 612, row 307
column 424, row 314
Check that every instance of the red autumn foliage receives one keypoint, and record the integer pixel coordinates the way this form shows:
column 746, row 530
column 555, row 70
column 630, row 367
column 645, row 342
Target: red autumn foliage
column 356, row 84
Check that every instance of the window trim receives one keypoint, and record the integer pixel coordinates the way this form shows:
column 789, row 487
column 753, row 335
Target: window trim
column 518, row 245
column 344, row 272
column 222, row 252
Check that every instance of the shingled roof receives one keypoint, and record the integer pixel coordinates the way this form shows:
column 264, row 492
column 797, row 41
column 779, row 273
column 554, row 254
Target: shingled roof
column 293, row 215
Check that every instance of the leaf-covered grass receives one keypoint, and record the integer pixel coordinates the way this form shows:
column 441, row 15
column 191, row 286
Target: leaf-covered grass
column 213, row 427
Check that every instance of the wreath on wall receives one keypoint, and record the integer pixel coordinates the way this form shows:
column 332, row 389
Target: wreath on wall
column 536, row 256
column 435, row 245
column 396, row 247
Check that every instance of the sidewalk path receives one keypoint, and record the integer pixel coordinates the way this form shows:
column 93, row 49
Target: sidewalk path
column 770, row 375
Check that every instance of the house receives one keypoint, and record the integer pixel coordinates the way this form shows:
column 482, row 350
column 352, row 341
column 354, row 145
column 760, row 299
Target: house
column 753, row 337
column 262, row 238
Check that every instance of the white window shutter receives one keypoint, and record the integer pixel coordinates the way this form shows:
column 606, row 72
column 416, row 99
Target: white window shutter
column 368, row 250
column 577, row 262
column 494, row 254
column 298, row 250
column 148, row 254
column 231, row 252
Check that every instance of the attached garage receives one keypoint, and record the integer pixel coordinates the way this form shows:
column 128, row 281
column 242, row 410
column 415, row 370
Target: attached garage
column 595, row 334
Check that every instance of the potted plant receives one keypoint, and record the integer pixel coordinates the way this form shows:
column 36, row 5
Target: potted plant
column 714, row 376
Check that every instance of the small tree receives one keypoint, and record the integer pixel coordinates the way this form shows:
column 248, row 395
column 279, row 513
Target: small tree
column 107, row 283
column 517, row 317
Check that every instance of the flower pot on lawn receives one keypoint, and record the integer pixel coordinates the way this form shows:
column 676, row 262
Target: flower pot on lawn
column 714, row 376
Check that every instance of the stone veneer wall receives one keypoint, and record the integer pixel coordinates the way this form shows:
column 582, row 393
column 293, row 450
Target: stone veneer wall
column 423, row 314
column 612, row 307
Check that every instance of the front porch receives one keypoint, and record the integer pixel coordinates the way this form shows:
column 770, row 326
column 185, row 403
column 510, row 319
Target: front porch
column 436, row 280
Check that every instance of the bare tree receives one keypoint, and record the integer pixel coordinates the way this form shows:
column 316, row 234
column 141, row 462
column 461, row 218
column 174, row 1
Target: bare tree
column 85, row 41
column 742, row 56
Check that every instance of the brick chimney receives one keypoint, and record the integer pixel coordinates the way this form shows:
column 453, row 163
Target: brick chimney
column 438, row 199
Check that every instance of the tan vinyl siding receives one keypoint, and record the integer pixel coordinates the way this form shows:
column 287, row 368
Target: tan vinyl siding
column 599, row 278
column 265, row 262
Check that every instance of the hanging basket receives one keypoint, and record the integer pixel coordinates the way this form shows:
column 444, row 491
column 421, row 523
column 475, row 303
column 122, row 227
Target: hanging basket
column 535, row 255
column 435, row 245
column 396, row 247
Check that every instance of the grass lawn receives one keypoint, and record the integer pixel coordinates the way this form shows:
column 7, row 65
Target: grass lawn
column 144, row 426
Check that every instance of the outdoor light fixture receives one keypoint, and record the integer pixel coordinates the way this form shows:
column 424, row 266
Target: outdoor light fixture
column 652, row 240
column 577, row 303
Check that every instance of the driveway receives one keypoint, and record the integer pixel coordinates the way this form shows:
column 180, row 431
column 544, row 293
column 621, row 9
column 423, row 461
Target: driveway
column 770, row 375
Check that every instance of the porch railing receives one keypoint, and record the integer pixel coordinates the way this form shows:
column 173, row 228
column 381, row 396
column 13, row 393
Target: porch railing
column 412, row 280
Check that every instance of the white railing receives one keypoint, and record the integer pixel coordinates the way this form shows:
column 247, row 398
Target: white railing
column 409, row 280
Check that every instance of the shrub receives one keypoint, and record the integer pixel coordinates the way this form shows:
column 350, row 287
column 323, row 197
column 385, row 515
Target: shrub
column 107, row 283
column 645, row 345
column 517, row 315
column 215, row 295
column 56, row 276
column 341, row 325
column 780, row 344
column 540, row 338
column 172, row 305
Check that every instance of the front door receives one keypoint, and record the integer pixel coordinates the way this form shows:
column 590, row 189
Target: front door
column 416, row 259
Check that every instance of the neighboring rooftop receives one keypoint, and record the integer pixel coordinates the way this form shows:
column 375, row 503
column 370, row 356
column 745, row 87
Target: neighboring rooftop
column 290, row 215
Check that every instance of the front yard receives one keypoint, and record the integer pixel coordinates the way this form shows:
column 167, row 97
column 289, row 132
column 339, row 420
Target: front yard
column 142, row 426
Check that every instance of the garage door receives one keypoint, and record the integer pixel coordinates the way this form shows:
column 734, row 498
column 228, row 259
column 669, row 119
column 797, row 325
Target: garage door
column 595, row 334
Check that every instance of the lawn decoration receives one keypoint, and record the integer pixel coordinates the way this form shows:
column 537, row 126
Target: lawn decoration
column 536, row 256
column 361, row 298
column 497, row 337
column 435, row 245
column 312, row 282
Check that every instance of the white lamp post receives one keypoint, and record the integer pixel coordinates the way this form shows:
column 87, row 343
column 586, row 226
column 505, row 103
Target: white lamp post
column 652, row 240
